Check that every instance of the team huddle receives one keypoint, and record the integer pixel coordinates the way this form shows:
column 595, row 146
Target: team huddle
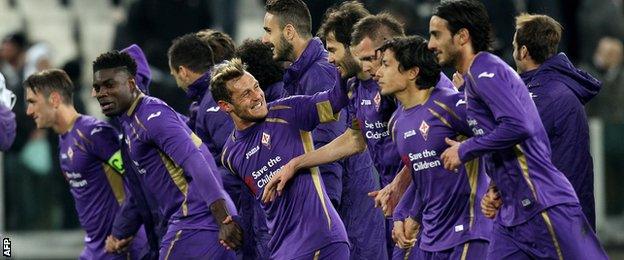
column 351, row 144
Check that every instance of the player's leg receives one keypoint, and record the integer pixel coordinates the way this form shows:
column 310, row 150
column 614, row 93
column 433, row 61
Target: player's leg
column 570, row 234
column 472, row 249
column 194, row 244
column 364, row 223
column 503, row 244
column 339, row 250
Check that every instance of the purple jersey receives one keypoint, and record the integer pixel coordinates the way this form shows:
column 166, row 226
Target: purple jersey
column 559, row 91
column 370, row 113
column 511, row 141
column 446, row 203
column 172, row 163
column 301, row 220
column 91, row 164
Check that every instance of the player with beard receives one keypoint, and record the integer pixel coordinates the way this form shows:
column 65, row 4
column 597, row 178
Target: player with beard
column 302, row 221
column 173, row 165
column 559, row 91
column 287, row 26
column 368, row 110
column 540, row 216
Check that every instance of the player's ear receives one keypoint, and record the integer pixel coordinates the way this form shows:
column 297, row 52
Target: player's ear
column 54, row 99
column 413, row 73
column 524, row 52
column 224, row 106
column 289, row 32
column 463, row 35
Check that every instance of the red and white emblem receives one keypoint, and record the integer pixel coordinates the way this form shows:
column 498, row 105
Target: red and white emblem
column 377, row 101
column 424, row 129
column 266, row 139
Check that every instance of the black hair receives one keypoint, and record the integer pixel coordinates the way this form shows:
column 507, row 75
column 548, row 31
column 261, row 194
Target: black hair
column 115, row 59
column 258, row 57
column 191, row 52
column 412, row 51
column 293, row 12
column 470, row 15
column 340, row 20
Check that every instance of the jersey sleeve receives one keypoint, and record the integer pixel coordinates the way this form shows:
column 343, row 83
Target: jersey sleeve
column 169, row 133
column 512, row 124
column 308, row 111
column 105, row 144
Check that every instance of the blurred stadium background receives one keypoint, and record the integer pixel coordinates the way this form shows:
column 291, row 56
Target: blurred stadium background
column 36, row 210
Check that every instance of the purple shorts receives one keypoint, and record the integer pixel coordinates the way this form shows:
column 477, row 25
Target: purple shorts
column 194, row 244
column 559, row 232
column 339, row 250
column 472, row 249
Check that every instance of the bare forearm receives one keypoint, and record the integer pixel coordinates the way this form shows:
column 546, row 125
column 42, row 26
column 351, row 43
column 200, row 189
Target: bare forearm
column 347, row 144
column 402, row 180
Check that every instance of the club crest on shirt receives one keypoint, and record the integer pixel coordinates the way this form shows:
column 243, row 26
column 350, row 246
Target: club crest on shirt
column 266, row 140
column 424, row 129
column 70, row 153
column 377, row 101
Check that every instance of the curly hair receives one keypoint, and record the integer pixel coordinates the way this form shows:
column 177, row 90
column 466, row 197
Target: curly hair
column 340, row 21
column 115, row 59
column 470, row 15
column 259, row 60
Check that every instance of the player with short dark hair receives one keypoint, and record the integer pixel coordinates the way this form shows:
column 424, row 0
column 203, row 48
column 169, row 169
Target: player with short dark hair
column 368, row 114
column 286, row 26
column 173, row 165
column 444, row 203
column 90, row 161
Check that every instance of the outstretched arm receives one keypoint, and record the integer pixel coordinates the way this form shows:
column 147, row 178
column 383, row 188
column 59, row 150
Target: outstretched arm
column 347, row 144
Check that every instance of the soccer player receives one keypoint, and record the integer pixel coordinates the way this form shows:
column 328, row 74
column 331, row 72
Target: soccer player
column 444, row 201
column 191, row 61
column 173, row 165
column 540, row 216
column 90, row 160
column 7, row 117
column 287, row 28
column 559, row 91
column 147, row 213
column 367, row 109
column 302, row 221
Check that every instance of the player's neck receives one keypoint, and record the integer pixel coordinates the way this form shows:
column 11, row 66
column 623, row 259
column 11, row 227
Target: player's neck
column 465, row 61
column 361, row 75
column 241, row 124
column 299, row 45
column 65, row 120
column 193, row 77
column 529, row 66
column 413, row 96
